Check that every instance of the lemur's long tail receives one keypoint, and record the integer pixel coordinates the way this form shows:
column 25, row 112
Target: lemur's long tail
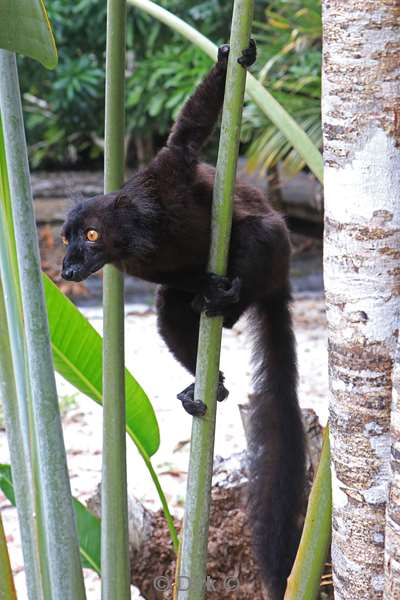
column 277, row 447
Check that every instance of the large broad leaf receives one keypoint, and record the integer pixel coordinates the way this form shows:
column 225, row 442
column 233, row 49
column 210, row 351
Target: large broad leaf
column 77, row 351
column 89, row 527
column 25, row 28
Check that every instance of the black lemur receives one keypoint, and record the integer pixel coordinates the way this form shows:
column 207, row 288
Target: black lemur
column 157, row 227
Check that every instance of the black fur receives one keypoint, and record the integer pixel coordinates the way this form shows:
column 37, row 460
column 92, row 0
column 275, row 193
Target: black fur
column 157, row 227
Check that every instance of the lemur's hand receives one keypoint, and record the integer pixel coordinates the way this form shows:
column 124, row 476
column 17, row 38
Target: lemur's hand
column 249, row 54
column 217, row 296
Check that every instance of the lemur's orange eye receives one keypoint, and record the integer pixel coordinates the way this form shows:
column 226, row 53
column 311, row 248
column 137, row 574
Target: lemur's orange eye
column 92, row 235
column 64, row 240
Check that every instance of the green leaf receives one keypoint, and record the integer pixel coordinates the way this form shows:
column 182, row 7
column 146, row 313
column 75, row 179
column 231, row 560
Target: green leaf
column 89, row 534
column 134, row 97
column 7, row 586
column 304, row 580
column 25, row 28
column 6, row 484
column 155, row 105
column 77, row 351
column 88, row 524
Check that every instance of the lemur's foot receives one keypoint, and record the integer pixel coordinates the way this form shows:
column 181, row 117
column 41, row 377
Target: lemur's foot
column 197, row 408
column 217, row 296
column 249, row 54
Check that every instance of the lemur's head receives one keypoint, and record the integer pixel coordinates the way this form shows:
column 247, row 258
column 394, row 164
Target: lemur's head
column 102, row 230
column 85, row 236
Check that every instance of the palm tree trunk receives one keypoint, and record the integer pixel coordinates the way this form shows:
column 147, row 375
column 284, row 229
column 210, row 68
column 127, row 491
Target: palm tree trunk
column 362, row 240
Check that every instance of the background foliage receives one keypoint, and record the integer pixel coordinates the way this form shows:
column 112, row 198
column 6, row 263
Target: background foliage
column 290, row 44
column 64, row 108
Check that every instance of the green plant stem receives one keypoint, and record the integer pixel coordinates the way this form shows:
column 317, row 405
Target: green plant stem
column 264, row 100
column 59, row 523
column 305, row 578
column 7, row 587
column 23, row 480
column 114, row 522
column 16, row 398
column 195, row 531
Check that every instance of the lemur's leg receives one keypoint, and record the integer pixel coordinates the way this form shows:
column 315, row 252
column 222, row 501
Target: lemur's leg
column 178, row 324
column 199, row 115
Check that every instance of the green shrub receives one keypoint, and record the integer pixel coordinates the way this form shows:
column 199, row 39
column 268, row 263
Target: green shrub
column 64, row 108
column 289, row 59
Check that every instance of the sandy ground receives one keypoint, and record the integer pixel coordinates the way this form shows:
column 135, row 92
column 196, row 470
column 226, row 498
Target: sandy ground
column 162, row 377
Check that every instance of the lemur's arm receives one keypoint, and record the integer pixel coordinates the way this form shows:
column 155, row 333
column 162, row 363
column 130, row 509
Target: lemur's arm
column 199, row 115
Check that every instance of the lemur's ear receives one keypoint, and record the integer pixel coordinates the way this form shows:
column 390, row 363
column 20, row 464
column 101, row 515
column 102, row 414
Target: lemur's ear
column 122, row 200
column 76, row 198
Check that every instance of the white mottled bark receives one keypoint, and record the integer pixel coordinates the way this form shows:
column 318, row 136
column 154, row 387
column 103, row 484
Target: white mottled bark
column 361, row 122
column 392, row 535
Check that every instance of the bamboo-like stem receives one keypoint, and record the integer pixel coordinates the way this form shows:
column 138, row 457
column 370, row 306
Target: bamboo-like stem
column 305, row 578
column 195, row 531
column 59, row 522
column 20, row 467
column 114, row 523
column 256, row 91
column 7, row 587
column 16, row 398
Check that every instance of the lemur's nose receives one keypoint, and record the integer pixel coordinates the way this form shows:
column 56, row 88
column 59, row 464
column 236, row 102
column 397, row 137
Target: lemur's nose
column 68, row 273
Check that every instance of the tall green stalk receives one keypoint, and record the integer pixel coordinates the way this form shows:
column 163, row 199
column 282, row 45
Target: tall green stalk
column 23, row 480
column 114, row 523
column 62, row 552
column 195, row 531
column 15, row 395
